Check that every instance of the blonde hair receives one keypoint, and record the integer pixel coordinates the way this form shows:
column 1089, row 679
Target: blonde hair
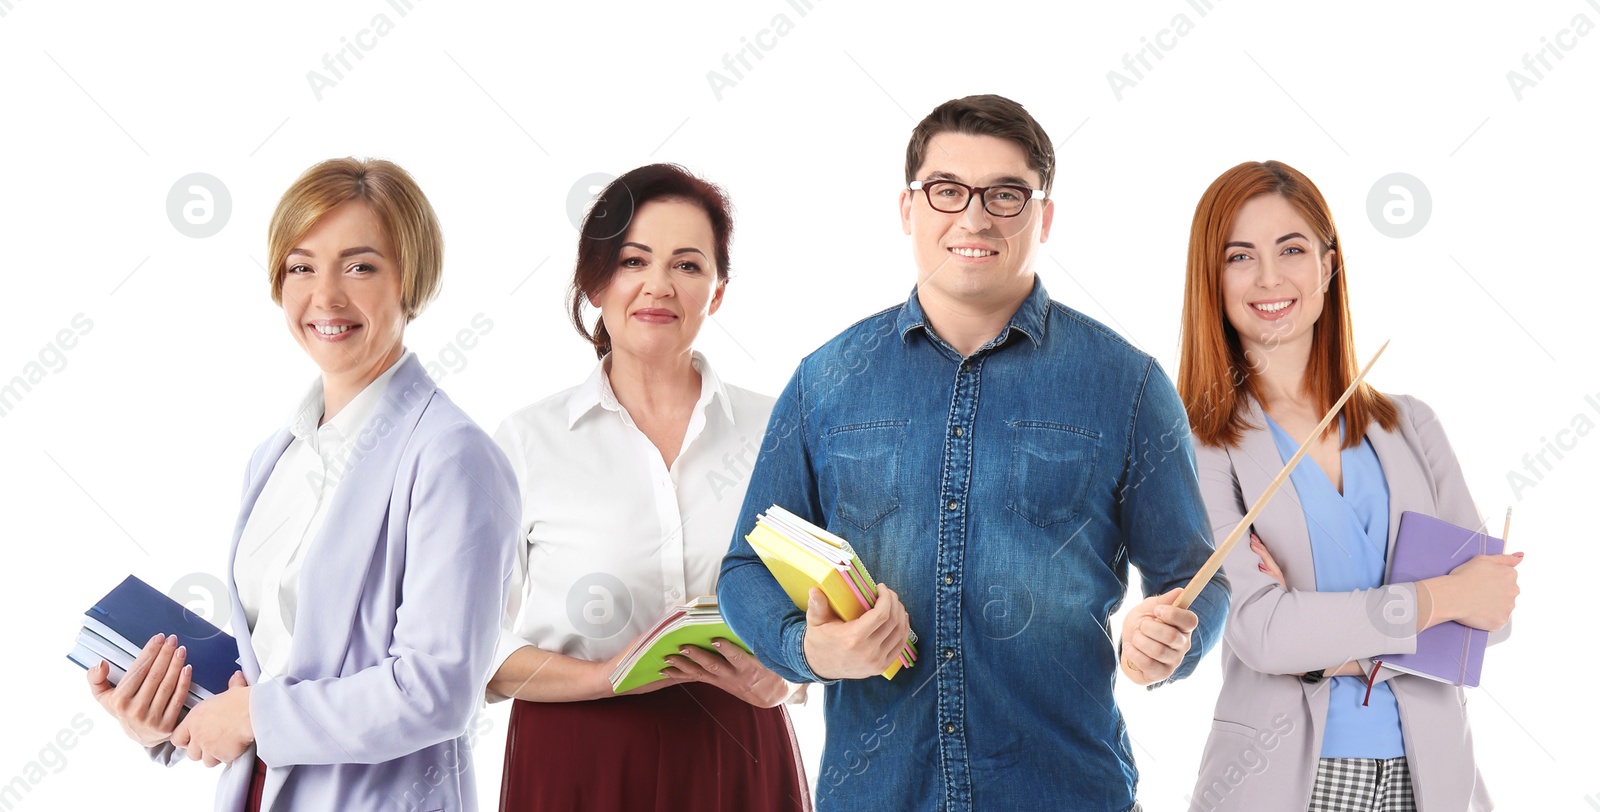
column 391, row 193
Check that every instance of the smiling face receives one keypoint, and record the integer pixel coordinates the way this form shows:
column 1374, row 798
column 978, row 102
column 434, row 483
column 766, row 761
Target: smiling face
column 666, row 281
column 1275, row 274
column 341, row 294
column 972, row 258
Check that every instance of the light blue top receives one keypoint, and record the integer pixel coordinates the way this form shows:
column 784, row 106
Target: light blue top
column 1349, row 540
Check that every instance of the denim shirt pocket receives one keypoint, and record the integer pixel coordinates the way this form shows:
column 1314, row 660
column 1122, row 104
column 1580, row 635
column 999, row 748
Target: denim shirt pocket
column 864, row 460
column 1052, row 465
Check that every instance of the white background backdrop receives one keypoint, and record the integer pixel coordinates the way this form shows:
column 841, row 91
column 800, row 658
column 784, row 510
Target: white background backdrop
column 126, row 455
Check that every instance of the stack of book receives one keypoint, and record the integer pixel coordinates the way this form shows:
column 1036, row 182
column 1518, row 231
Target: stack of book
column 802, row 555
column 117, row 627
column 696, row 623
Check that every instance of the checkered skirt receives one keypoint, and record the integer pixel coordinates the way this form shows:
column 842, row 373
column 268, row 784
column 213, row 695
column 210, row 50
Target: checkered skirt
column 1362, row 785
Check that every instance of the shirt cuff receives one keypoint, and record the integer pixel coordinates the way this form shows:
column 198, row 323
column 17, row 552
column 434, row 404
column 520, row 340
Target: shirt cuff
column 795, row 646
column 507, row 645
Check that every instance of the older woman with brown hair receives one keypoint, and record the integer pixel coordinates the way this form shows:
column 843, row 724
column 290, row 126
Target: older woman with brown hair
column 631, row 485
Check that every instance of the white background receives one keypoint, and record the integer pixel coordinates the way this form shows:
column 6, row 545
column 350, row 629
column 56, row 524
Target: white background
column 128, row 458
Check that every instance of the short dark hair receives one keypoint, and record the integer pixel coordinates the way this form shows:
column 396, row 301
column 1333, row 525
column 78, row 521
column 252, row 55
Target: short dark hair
column 605, row 228
column 984, row 115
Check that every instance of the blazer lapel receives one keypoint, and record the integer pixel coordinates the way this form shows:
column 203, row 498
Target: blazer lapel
column 1400, row 471
column 258, row 480
column 338, row 562
column 1282, row 523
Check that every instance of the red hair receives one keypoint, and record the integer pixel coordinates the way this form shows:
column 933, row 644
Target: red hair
column 1213, row 370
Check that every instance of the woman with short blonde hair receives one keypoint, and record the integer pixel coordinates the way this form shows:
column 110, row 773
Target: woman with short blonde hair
column 368, row 566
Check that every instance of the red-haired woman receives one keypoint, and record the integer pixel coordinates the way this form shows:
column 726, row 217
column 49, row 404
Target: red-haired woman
column 632, row 482
column 1267, row 348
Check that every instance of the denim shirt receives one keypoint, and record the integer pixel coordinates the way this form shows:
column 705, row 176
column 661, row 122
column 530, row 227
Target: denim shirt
column 1002, row 496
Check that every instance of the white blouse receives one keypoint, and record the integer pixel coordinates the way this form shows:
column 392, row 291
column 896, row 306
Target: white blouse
column 612, row 537
column 290, row 510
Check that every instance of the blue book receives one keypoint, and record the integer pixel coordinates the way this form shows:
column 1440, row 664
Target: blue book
column 128, row 616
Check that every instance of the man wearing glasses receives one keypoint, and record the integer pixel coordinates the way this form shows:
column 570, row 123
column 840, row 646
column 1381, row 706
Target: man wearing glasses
column 999, row 459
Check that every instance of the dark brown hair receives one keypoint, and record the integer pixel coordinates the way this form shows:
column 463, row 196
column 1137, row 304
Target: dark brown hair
column 1213, row 371
column 605, row 229
column 984, row 115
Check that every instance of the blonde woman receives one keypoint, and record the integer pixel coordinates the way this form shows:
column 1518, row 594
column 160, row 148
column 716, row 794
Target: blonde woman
column 369, row 561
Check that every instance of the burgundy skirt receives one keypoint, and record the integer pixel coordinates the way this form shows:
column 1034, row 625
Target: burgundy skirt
column 690, row 746
column 258, row 782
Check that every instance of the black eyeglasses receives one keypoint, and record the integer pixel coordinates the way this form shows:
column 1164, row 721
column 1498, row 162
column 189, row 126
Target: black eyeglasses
column 952, row 197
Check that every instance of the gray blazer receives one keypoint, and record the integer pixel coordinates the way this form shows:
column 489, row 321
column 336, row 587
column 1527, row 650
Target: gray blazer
column 1267, row 733
column 400, row 602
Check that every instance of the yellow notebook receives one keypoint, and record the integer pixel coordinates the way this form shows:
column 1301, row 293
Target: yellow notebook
column 801, row 555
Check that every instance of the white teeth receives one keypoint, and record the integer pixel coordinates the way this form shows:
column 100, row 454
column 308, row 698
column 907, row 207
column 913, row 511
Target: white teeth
column 973, row 252
column 1274, row 307
column 332, row 329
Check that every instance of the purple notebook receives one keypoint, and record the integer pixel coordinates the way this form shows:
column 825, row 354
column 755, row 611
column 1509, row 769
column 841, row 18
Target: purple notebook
column 1427, row 548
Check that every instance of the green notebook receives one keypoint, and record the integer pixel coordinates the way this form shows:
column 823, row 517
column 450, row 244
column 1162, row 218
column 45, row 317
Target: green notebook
column 694, row 624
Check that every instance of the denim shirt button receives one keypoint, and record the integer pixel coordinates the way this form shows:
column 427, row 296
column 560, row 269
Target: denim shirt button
column 949, row 579
column 958, row 431
column 950, row 727
column 949, row 654
column 951, row 505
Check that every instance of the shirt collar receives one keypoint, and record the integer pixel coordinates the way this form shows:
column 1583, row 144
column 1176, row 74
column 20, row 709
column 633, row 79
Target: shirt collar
column 349, row 420
column 596, row 392
column 1029, row 318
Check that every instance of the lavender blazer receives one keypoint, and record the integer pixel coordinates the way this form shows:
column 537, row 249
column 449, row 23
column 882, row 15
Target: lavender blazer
column 1267, row 733
column 399, row 612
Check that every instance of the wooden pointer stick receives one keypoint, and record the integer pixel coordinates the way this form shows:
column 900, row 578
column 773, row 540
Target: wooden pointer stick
column 1214, row 563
